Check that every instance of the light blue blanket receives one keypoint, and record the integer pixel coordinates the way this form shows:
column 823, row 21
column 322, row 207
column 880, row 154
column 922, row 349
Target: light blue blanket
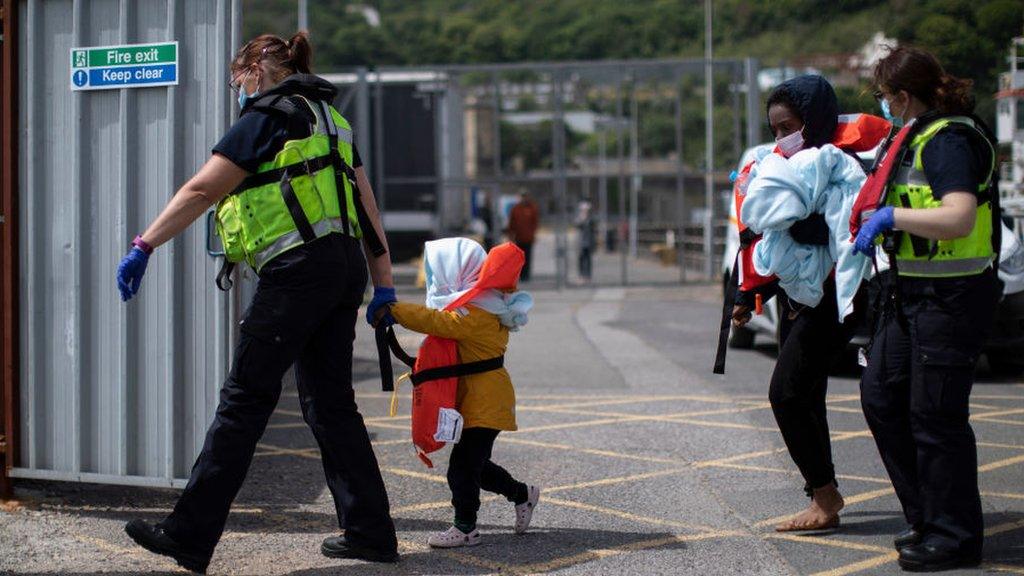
column 781, row 191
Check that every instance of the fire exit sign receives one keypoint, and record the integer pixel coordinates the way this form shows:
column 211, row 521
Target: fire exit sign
column 124, row 66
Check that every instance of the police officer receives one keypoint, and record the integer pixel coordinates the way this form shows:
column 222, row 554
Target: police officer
column 293, row 202
column 941, row 293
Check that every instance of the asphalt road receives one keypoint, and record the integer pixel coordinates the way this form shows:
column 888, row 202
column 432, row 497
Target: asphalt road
column 649, row 465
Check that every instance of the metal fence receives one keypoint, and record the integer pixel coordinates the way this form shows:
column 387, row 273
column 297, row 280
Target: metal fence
column 451, row 147
column 113, row 392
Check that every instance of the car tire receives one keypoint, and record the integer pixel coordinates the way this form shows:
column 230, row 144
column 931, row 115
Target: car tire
column 1003, row 366
column 741, row 338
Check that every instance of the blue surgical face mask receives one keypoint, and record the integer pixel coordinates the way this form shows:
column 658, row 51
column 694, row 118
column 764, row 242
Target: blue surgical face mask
column 887, row 113
column 243, row 97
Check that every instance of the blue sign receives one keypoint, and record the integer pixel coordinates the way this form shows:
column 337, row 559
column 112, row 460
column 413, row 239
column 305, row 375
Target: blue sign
column 122, row 76
column 80, row 78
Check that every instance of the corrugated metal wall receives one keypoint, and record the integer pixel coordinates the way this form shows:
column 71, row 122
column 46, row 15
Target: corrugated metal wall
column 113, row 392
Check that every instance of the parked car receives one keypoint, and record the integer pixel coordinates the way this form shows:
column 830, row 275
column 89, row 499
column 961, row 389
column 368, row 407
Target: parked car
column 1004, row 347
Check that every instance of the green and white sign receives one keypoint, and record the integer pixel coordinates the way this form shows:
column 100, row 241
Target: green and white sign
column 124, row 66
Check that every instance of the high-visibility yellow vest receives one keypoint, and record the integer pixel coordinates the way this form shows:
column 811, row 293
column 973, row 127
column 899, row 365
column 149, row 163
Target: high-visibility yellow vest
column 306, row 192
column 921, row 257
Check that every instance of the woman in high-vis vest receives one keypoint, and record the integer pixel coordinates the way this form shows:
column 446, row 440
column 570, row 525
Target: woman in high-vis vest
column 294, row 203
column 940, row 294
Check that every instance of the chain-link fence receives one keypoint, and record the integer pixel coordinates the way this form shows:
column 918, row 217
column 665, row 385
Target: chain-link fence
column 614, row 154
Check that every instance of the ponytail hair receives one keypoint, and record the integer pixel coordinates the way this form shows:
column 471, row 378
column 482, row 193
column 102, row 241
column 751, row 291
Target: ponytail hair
column 281, row 58
column 919, row 73
column 300, row 53
column 953, row 95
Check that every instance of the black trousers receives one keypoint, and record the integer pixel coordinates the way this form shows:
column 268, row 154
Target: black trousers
column 586, row 262
column 526, row 247
column 916, row 392
column 303, row 313
column 810, row 343
column 470, row 469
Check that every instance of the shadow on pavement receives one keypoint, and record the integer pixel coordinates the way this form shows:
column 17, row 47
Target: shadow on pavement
column 1006, row 547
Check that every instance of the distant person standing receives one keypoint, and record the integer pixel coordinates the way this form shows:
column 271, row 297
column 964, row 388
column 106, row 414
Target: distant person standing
column 522, row 229
column 586, row 236
column 486, row 215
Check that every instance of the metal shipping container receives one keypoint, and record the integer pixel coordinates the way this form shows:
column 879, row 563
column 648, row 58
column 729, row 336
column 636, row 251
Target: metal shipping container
column 113, row 392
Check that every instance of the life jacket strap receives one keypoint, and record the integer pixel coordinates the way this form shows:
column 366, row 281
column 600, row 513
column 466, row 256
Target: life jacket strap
column 388, row 342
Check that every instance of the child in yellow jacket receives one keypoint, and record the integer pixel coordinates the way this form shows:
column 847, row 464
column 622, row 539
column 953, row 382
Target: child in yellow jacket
column 487, row 400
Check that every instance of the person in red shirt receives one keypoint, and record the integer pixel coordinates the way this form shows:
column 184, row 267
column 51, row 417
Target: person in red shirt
column 522, row 229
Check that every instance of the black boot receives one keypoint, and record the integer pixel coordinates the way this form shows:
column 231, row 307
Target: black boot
column 908, row 537
column 153, row 538
column 929, row 558
column 339, row 547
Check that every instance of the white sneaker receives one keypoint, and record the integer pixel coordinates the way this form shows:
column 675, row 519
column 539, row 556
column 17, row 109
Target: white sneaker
column 454, row 538
column 524, row 511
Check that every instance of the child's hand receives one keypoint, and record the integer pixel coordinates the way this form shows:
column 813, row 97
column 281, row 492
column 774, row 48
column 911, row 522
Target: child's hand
column 382, row 316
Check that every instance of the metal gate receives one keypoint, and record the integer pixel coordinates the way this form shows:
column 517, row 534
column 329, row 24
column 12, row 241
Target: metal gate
column 598, row 145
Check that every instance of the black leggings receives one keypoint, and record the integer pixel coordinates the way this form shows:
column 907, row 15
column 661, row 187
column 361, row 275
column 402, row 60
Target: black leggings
column 470, row 469
column 809, row 345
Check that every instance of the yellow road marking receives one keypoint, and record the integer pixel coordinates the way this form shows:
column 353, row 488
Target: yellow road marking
column 1005, row 527
column 1001, row 463
column 845, row 409
column 616, row 480
column 413, row 474
column 567, row 425
column 715, row 424
column 591, row 451
column 998, row 445
column 730, row 459
column 754, row 468
column 1003, row 495
column 824, row 541
column 638, row 400
column 629, row 515
column 997, row 421
column 863, row 497
column 848, row 435
column 551, row 490
column 860, row 566
column 597, row 554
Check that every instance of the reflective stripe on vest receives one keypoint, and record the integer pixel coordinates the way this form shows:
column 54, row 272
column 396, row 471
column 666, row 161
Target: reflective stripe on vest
column 916, row 256
column 293, row 239
column 299, row 191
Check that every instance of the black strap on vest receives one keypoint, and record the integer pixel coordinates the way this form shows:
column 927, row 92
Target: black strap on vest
column 295, row 209
column 290, row 171
column 387, row 342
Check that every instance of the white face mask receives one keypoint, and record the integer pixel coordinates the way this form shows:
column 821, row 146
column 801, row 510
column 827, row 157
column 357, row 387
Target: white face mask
column 791, row 143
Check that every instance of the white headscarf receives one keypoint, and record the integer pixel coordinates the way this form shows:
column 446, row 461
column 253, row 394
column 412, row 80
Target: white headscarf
column 452, row 267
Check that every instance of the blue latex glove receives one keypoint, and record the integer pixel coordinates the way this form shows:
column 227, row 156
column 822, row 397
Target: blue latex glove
column 130, row 272
column 881, row 221
column 382, row 296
